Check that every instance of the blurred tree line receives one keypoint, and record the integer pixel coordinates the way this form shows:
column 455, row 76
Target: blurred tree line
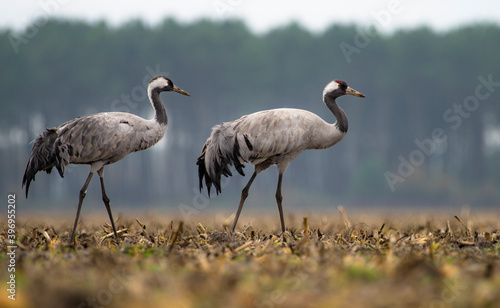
column 427, row 133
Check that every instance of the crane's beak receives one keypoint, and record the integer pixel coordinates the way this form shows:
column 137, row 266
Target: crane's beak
column 351, row 91
column 180, row 91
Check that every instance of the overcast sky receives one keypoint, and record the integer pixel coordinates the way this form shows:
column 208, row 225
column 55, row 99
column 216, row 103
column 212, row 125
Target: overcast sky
column 261, row 15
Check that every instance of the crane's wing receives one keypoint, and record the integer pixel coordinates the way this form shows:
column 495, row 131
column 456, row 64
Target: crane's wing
column 103, row 137
column 256, row 138
column 95, row 137
column 273, row 132
column 82, row 140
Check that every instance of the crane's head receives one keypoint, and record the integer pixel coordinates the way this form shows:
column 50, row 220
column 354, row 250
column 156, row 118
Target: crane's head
column 162, row 84
column 338, row 88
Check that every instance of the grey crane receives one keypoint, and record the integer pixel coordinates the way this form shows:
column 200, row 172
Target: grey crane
column 270, row 137
column 99, row 140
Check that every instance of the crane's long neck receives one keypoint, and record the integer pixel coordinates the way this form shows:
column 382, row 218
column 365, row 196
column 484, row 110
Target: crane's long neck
column 342, row 123
column 160, row 112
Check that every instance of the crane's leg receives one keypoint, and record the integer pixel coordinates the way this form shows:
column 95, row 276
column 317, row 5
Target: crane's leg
column 244, row 195
column 83, row 192
column 106, row 200
column 279, row 198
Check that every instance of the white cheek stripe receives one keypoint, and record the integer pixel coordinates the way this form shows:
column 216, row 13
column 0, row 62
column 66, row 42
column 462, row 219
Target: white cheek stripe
column 332, row 86
column 158, row 83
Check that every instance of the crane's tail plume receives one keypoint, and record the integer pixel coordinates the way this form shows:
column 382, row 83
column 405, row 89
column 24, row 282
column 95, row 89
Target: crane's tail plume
column 221, row 150
column 47, row 152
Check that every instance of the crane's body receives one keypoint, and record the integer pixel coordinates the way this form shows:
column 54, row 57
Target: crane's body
column 285, row 131
column 99, row 140
column 103, row 137
column 270, row 137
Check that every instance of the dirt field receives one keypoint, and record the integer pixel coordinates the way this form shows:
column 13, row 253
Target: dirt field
column 334, row 260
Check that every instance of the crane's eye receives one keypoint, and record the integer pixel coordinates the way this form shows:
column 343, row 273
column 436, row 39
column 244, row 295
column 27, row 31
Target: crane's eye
column 342, row 85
